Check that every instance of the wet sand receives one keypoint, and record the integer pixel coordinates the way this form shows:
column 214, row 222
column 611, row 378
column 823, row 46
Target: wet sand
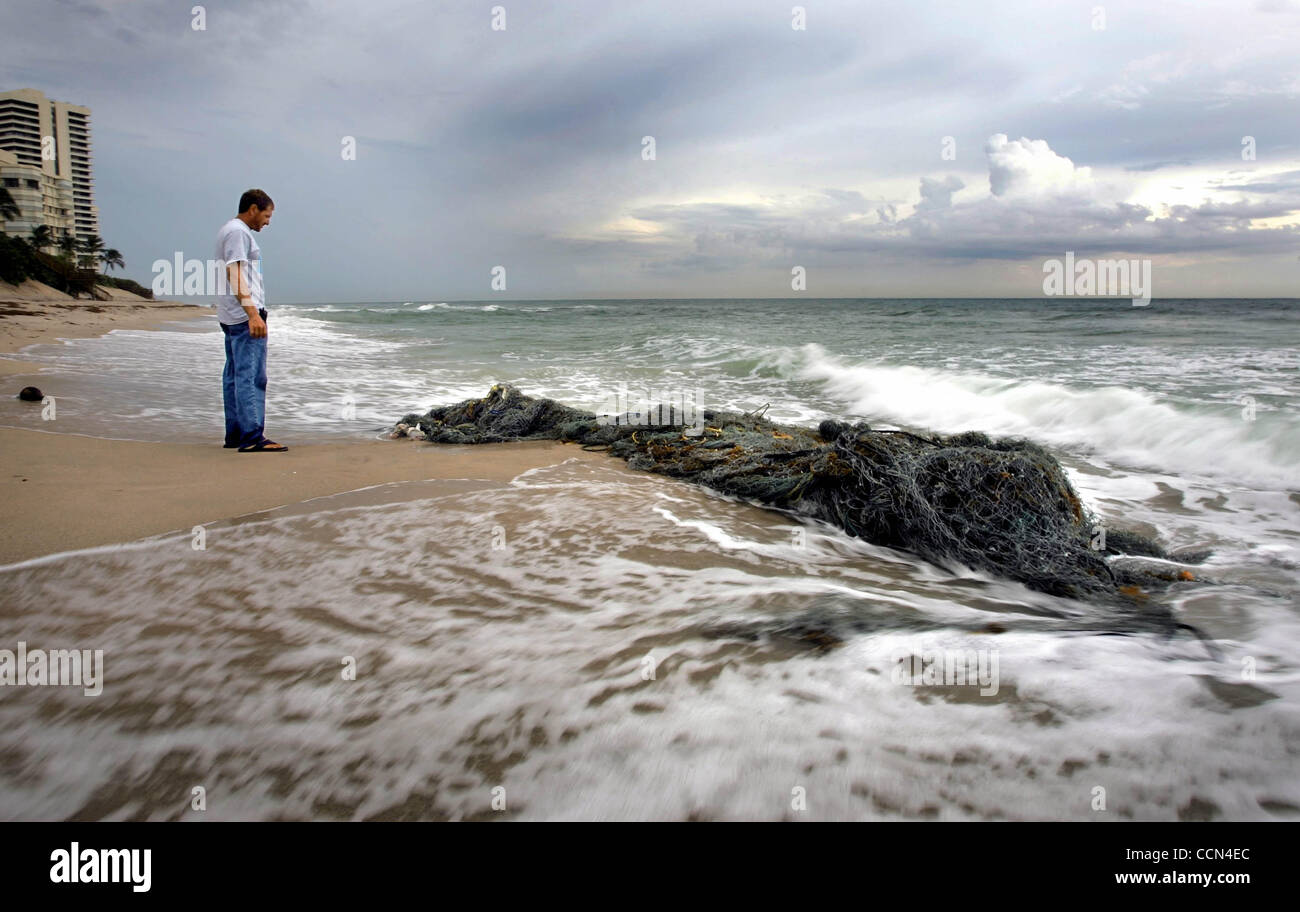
column 68, row 491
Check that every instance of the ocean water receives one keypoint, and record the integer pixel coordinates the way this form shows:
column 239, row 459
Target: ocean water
column 590, row 643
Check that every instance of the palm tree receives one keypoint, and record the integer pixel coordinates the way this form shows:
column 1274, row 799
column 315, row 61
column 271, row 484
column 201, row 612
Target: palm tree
column 112, row 258
column 68, row 244
column 8, row 208
column 92, row 245
column 41, row 237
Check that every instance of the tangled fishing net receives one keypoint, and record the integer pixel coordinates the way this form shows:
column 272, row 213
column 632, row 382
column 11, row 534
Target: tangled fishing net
column 1000, row 505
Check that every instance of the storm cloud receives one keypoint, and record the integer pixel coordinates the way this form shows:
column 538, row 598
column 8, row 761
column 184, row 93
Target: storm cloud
column 917, row 149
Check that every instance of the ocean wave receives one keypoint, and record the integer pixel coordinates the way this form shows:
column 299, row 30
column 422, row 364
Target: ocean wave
column 1130, row 426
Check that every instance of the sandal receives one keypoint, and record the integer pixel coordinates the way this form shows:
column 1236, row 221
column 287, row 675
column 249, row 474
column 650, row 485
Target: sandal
column 265, row 446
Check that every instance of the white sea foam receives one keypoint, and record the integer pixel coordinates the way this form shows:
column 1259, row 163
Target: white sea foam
column 1126, row 425
column 626, row 668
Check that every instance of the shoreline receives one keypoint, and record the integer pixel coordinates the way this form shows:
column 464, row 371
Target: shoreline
column 44, row 321
column 65, row 492
column 138, row 489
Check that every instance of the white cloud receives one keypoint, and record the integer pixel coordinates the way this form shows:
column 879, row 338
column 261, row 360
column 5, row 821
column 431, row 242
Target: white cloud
column 1039, row 202
column 1029, row 167
column 937, row 194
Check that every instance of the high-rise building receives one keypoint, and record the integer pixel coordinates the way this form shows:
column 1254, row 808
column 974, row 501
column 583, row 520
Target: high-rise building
column 48, row 169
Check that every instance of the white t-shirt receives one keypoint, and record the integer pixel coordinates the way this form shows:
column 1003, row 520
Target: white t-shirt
column 235, row 243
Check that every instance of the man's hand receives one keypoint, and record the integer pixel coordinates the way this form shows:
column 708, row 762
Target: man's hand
column 256, row 326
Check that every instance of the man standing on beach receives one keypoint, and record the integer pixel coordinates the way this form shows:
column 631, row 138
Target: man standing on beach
column 241, row 310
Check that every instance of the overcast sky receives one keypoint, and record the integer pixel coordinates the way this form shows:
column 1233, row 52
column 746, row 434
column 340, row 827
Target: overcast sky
column 774, row 147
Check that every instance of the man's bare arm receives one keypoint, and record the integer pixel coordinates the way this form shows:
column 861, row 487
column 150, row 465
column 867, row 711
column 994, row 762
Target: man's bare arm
column 235, row 278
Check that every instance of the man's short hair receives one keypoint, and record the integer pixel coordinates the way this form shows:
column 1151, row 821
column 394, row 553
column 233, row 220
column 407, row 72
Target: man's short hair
column 256, row 198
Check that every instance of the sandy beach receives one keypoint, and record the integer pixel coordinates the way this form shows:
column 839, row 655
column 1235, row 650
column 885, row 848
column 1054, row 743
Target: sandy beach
column 67, row 491
column 32, row 313
column 599, row 642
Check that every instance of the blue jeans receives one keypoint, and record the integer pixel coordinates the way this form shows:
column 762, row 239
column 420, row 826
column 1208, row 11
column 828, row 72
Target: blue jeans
column 243, row 384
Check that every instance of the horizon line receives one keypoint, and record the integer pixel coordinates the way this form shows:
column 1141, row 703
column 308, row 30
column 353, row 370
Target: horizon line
column 1044, row 298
